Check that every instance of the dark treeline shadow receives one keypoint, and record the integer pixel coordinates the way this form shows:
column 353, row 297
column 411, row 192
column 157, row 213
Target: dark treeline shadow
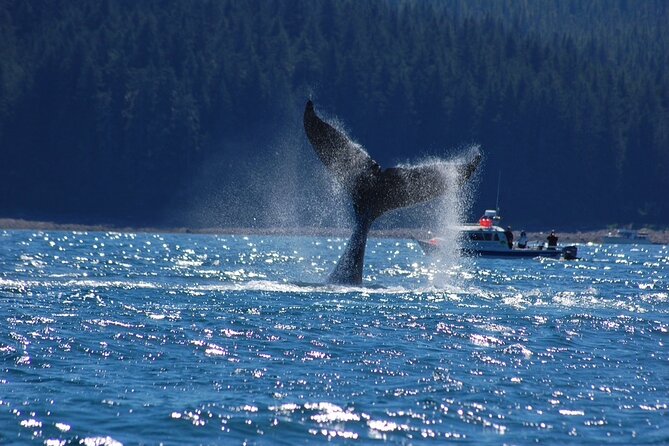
column 189, row 113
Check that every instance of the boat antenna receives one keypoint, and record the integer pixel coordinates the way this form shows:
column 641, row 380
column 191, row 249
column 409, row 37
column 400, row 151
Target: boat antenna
column 499, row 180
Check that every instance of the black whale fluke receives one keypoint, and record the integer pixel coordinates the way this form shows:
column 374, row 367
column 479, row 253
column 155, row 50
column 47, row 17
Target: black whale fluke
column 373, row 190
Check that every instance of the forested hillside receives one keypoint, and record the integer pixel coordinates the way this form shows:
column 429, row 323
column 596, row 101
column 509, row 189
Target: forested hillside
column 128, row 112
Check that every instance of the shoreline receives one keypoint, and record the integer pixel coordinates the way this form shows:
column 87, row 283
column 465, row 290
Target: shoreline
column 586, row 236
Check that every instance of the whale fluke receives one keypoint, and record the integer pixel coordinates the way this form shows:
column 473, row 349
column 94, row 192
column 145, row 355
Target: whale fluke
column 373, row 191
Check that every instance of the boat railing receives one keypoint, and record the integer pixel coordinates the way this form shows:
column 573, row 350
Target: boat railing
column 536, row 245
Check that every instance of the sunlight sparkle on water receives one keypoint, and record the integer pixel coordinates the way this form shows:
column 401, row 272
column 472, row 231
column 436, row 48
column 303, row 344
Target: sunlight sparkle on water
column 237, row 339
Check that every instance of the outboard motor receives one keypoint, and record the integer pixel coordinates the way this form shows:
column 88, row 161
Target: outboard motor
column 569, row 252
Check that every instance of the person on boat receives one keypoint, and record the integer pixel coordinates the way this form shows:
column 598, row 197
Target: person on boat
column 509, row 236
column 522, row 241
column 552, row 240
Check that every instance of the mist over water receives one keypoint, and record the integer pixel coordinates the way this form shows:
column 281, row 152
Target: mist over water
column 450, row 212
column 283, row 185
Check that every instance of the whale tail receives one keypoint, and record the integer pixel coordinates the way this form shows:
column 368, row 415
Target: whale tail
column 373, row 191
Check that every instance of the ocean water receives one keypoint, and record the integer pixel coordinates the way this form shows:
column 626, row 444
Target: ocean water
column 110, row 338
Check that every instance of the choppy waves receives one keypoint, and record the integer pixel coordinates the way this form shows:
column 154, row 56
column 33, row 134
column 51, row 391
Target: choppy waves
column 123, row 338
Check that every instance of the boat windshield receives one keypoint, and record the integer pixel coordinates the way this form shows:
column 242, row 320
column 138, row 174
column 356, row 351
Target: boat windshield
column 484, row 236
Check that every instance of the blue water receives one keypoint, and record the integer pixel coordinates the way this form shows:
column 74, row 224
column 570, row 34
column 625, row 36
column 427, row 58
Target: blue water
column 111, row 338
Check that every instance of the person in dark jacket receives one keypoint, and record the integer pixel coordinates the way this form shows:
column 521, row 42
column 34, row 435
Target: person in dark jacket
column 552, row 240
column 509, row 236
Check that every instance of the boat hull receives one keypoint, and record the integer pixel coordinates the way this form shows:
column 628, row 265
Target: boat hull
column 566, row 252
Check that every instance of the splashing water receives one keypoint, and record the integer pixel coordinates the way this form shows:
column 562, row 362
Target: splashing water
column 451, row 210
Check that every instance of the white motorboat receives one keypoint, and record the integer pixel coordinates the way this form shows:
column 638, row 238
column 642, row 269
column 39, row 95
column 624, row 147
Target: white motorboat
column 485, row 239
column 627, row 237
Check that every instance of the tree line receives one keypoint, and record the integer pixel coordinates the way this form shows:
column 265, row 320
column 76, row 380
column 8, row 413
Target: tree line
column 108, row 108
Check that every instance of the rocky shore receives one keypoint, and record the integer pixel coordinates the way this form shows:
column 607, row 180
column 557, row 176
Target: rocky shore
column 585, row 236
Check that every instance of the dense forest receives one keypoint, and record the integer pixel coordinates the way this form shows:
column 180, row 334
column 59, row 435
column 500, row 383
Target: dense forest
column 171, row 112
